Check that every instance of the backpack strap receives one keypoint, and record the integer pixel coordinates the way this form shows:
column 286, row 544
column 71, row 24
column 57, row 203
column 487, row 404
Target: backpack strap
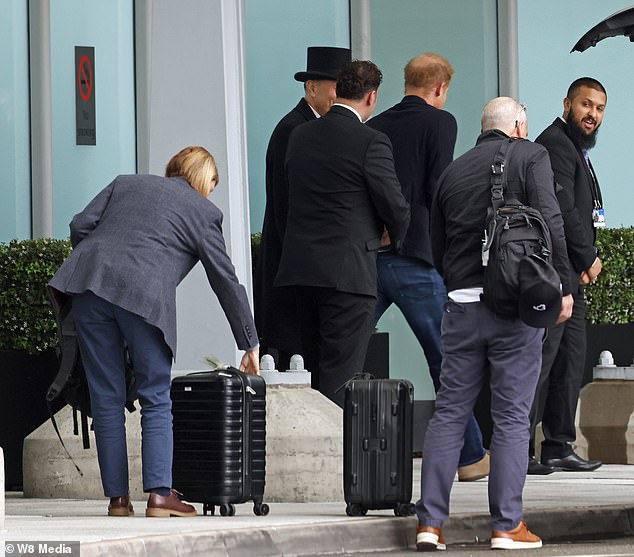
column 498, row 183
column 85, row 437
column 498, row 176
column 69, row 349
column 59, row 436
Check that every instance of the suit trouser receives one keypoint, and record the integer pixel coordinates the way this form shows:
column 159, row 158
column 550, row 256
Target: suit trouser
column 557, row 395
column 475, row 340
column 336, row 328
column 419, row 292
column 103, row 330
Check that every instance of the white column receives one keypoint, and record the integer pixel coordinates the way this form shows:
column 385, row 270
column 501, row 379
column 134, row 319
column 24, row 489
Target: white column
column 190, row 76
column 41, row 118
column 361, row 29
column 508, row 50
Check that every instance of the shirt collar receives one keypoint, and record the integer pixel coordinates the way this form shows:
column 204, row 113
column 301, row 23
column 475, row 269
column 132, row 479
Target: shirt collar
column 350, row 108
column 317, row 115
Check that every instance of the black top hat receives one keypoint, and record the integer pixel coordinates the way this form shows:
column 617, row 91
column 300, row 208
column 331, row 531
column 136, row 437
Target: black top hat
column 324, row 62
column 540, row 292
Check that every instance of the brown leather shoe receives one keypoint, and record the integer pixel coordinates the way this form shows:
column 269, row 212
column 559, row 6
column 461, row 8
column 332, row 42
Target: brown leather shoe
column 429, row 538
column 120, row 506
column 475, row 471
column 170, row 505
column 518, row 538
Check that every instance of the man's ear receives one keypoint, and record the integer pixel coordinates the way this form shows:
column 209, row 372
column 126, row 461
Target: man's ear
column 371, row 98
column 310, row 87
column 567, row 105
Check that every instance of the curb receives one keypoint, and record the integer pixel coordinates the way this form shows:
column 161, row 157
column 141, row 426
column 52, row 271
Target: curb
column 367, row 534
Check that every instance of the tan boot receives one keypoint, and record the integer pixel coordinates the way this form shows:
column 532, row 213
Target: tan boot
column 429, row 538
column 475, row 471
column 518, row 538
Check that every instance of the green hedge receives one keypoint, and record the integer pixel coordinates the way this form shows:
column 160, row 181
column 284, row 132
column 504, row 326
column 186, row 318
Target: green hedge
column 26, row 316
column 611, row 298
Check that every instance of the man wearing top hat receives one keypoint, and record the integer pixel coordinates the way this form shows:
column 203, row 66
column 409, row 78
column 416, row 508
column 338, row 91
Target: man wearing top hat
column 342, row 194
column 275, row 313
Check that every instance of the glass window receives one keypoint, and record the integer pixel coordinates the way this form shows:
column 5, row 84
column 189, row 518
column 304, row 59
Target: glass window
column 80, row 171
column 15, row 148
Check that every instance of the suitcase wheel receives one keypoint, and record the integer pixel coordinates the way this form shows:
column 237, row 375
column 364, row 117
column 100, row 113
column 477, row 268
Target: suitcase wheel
column 260, row 509
column 353, row 509
column 209, row 507
column 404, row 509
column 227, row 510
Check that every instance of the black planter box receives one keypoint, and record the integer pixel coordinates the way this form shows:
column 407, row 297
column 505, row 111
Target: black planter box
column 24, row 381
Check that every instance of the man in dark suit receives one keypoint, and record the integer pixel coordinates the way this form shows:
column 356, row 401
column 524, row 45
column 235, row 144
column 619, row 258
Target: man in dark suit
column 423, row 137
column 275, row 313
column 568, row 141
column 343, row 195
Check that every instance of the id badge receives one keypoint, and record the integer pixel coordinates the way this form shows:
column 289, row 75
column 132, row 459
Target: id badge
column 598, row 218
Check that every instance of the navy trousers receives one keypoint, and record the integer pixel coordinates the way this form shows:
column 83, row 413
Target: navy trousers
column 103, row 330
column 418, row 291
column 475, row 340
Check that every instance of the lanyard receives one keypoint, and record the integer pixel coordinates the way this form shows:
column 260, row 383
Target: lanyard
column 596, row 192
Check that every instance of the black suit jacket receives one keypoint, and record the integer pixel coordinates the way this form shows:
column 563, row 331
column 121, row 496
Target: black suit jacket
column 575, row 195
column 275, row 313
column 423, row 140
column 343, row 190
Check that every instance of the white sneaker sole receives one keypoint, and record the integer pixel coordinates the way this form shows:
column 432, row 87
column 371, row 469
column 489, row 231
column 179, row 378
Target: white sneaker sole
column 507, row 543
column 426, row 541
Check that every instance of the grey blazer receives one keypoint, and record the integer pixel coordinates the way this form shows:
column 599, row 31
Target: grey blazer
column 137, row 240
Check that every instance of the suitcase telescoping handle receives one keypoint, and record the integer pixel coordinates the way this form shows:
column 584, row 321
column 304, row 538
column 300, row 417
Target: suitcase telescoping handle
column 354, row 378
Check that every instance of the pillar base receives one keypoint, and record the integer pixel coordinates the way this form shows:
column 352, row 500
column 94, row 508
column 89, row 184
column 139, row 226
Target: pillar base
column 606, row 419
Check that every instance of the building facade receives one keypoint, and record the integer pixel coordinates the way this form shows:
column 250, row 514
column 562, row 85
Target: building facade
column 219, row 73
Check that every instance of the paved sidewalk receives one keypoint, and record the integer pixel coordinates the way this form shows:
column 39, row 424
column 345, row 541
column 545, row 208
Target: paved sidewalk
column 564, row 505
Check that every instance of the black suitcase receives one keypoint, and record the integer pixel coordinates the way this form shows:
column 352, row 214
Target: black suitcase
column 377, row 446
column 220, row 439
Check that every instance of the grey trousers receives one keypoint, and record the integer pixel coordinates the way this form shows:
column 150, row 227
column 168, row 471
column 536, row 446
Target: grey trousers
column 475, row 341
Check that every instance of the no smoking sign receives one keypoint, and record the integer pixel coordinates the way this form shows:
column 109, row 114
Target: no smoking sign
column 86, row 133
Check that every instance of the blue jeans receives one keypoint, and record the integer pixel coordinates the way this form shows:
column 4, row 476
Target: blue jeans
column 103, row 330
column 418, row 291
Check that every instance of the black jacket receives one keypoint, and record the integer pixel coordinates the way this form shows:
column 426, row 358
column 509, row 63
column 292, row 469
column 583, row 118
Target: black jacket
column 342, row 191
column 423, row 140
column 575, row 194
column 464, row 195
column 275, row 313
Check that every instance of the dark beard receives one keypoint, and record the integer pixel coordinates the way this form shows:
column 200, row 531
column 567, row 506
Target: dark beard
column 582, row 140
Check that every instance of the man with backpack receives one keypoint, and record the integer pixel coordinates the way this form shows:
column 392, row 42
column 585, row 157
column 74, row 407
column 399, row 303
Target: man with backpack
column 479, row 343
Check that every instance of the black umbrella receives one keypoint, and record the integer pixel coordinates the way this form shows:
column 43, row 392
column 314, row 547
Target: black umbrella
column 620, row 23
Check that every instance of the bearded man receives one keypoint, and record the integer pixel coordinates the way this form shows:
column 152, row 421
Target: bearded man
column 568, row 141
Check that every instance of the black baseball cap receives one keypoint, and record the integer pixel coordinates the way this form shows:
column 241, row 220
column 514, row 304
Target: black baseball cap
column 540, row 292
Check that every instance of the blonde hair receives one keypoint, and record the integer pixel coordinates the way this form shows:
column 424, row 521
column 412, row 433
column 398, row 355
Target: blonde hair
column 427, row 70
column 197, row 166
